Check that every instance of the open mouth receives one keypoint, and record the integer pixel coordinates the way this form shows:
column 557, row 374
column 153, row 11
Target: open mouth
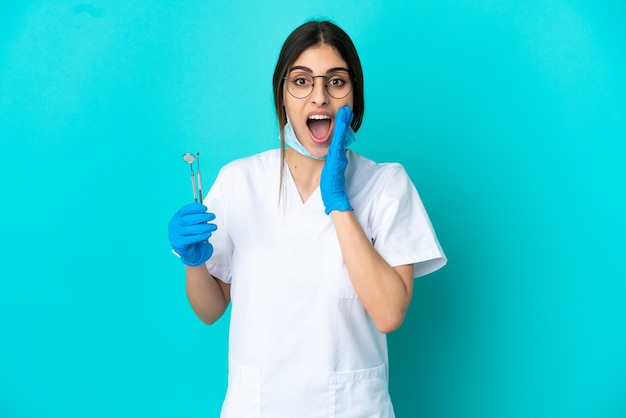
column 319, row 127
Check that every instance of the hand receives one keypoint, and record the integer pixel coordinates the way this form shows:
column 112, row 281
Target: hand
column 333, row 179
column 189, row 232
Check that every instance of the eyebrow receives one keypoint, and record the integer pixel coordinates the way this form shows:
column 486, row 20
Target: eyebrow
column 308, row 70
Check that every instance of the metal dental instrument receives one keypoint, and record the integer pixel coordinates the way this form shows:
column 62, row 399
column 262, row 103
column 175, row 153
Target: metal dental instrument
column 199, row 178
column 190, row 158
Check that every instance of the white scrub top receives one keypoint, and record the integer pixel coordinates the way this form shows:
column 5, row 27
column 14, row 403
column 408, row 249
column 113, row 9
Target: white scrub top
column 301, row 344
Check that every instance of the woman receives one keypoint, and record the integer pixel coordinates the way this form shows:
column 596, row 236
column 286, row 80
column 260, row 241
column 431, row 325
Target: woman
column 315, row 246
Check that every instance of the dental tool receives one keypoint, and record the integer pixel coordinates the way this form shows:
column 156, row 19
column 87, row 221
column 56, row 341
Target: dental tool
column 190, row 158
column 199, row 178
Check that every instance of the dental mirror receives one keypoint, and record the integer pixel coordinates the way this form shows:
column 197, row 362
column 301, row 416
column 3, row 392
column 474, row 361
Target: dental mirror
column 190, row 158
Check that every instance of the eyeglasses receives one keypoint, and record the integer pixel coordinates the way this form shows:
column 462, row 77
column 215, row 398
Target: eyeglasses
column 300, row 85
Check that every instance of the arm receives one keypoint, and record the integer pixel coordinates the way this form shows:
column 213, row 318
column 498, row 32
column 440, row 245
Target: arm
column 189, row 232
column 209, row 297
column 385, row 291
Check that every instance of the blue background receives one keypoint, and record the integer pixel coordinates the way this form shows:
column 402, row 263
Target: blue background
column 509, row 116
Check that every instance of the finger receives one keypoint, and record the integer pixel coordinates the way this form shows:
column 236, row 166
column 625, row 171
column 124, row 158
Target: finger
column 342, row 121
column 350, row 116
column 194, row 239
column 346, row 114
column 195, row 218
column 198, row 229
column 192, row 208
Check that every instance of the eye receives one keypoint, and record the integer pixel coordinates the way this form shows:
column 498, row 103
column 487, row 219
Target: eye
column 337, row 80
column 301, row 80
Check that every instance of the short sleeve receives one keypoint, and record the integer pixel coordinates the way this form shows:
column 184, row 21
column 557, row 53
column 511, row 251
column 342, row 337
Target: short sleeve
column 402, row 230
column 220, row 263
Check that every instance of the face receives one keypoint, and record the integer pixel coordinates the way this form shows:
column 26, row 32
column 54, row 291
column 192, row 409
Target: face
column 313, row 117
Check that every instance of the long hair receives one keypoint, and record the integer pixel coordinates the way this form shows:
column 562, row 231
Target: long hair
column 310, row 34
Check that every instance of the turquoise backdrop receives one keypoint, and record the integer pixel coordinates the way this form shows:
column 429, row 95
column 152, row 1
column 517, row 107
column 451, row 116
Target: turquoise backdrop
column 510, row 116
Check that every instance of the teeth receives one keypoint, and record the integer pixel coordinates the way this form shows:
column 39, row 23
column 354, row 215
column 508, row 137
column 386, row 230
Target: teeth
column 319, row 117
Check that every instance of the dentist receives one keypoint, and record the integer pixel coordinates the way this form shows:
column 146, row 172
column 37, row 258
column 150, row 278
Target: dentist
column 315, row 246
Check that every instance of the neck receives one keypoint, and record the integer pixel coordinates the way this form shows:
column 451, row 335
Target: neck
column 307, row 167
column 305, row 172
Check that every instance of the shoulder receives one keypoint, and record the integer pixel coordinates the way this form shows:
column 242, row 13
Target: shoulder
column 365, row 170
column 247, row 179
column 255, row 164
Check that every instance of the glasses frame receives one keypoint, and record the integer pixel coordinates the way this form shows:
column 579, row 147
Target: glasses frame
column 325, row 77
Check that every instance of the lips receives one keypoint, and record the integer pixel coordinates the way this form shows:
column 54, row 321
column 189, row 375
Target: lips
column 320, row 126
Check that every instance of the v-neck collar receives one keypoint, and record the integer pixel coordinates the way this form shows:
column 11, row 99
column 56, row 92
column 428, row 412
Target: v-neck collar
column 293, row 192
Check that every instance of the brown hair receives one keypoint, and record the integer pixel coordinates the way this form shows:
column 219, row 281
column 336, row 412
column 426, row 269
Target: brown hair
column 314, row 33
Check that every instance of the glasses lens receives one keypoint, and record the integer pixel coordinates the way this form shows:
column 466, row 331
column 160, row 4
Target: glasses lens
column 338, row 84
column 300, row 85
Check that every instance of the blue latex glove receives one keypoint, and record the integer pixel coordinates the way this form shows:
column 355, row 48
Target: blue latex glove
column 333, row 179
column 189, row 232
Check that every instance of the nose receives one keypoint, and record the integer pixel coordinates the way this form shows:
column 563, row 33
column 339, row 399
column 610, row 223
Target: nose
column 319, row 95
